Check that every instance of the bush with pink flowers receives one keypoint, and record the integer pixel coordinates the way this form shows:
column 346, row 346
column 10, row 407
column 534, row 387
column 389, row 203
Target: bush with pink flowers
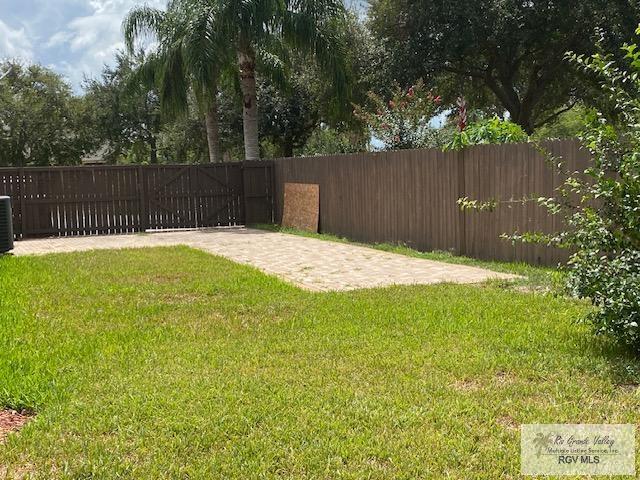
column 403, row 122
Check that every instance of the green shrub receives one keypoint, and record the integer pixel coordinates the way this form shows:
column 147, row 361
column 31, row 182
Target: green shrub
column 613, row 284
column 605, row 226
column 492, row 131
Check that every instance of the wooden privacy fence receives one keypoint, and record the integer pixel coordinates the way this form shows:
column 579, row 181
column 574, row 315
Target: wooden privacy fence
column 410, row 197
column 407, row 197
column 69, row 201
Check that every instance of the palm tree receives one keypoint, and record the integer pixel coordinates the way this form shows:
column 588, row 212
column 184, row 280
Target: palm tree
column 261, row 32
column 189, row 55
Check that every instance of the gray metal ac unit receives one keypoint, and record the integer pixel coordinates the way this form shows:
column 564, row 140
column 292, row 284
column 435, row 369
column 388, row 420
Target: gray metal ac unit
column 6, row 225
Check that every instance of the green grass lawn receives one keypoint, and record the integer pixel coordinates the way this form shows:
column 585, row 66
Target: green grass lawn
column 171, row 363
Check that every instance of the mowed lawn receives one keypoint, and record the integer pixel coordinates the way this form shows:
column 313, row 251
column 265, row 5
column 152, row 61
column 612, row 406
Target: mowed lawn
column 171, row 363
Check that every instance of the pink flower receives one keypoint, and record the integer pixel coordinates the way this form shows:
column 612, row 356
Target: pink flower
column 411, row 92
column 438, row 99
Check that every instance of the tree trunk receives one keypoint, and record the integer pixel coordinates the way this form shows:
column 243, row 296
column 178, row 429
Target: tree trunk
column 213, row 132
column 508, row 96
column 154, row 150
column 287, row 147
column 247, row 64
column 524, row 120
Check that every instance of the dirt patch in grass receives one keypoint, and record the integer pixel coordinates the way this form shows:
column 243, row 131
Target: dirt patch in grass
column 629, row 387
column 537, row 289
column 508, row 422
column 12, row 421
column 180, row 298
column 172, row 278
column 466, row 385
column 504, row 378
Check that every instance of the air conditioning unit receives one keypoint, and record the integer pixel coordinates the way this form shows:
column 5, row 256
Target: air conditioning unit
column 6, row 225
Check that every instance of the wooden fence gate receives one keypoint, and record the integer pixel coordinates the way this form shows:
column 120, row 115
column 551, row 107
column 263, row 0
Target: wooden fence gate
column 71, row 201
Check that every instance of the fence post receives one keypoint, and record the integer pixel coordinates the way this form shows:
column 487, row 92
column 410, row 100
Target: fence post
column 462, row 192
column 194, row 199
column 272, row 192
column 23, row 224
column 142, row 199
column 243, row 189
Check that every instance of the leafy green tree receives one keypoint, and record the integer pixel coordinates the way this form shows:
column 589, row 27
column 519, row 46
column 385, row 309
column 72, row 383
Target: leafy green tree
column 570, row 124
column 183, row 140
column 325, row 140
column 512, row 50
column 290, row 114
column 40, row 120
column 287, row 119
column 196, row 36
column 125, row 115
column 369, row 63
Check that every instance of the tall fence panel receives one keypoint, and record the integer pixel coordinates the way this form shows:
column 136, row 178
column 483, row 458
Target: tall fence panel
column 258, row 191
column 410, row 197
column 71, row 201
column 382, row 197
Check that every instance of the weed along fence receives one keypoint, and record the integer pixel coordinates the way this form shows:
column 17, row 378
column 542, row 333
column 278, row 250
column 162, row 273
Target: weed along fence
column 69, row 201
column 410, row 197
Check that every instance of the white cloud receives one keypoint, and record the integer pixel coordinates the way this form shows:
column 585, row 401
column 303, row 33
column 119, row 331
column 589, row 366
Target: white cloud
column 85, row 43
column 58, row 39
column 93, row 33
column 14, row 43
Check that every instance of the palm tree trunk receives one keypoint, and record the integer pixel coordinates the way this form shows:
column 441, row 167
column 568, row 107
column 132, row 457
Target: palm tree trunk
column 247, row 64
column 213, row 132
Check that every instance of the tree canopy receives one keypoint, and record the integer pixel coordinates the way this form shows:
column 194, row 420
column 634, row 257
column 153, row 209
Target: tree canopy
column 513, row 51
column 126, row 117
column 41, row 122
column 215, row 80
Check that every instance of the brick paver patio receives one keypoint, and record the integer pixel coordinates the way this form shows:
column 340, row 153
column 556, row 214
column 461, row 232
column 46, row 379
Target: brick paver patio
column 310, row 263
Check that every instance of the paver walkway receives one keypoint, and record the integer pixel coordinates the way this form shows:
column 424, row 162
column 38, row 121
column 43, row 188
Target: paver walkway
column 307, row 262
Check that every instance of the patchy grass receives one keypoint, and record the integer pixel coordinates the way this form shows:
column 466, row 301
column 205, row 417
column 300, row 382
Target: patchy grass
column 535, row 278
column 171, row 363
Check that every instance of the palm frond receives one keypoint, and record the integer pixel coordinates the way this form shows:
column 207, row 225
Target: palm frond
column 316, row 27
column 204, row 51
column 142, row 21
column 143, row 75
column 272, row 67
column 174, row 83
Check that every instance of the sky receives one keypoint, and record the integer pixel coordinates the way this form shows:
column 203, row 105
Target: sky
column 76, row 38
column 73, row 37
